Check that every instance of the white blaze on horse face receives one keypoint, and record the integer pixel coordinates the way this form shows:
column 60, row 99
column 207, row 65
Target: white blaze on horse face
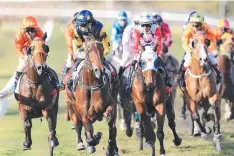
column 149, row 56
column 202, row 54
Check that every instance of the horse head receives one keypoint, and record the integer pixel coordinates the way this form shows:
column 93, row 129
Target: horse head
column 147, row 64
column 37, row 54
column 228, row 43
column 200, row 50
column 94, row 55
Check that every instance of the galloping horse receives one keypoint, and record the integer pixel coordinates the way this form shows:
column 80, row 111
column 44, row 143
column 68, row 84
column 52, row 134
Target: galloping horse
column 201, row 87
column 94, row 97
column 37, row 97
column 225, row 65
column 149, row 96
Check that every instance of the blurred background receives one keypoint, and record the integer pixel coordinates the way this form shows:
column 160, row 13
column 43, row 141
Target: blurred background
column 175, row 13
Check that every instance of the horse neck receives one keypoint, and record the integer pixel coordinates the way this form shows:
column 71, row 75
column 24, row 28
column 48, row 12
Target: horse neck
column 32, row 75
column 196, row 68
column 88, row 76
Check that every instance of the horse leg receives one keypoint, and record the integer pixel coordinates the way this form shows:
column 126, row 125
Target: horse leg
column 78, row 128
column 195, row 116
column 52, row 120
column 171, row 120
column 160, row 111
column 112, row 149
column 27, row 128
column 67, row 115
column 217, row 134
column 127, row 120
column 183, row 109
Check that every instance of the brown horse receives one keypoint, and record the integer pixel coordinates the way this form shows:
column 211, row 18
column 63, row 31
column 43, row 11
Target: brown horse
column 225, row 66
column 201, row 87
column 149, row 96
column 37, row 97
column 93, row 98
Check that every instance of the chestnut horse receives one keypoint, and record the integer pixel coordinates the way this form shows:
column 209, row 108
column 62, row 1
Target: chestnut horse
column 93, row 98
column 149, row 96
column 201, row 87
column 225, row 65
column 37, row 97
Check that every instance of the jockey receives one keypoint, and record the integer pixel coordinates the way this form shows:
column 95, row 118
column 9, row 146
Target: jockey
column 87, row 25
column 196, row 23
column 165, row 30
column 26, row 34
column 127, row 43
column 118, row 29
column 145, row 36
column 69, row 35
column 23, row 39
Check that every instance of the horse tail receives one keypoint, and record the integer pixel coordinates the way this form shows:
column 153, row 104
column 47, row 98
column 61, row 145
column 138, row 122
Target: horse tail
column 6, row 96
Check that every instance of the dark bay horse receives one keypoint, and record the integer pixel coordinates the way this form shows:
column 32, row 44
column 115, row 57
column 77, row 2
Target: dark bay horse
column 93, row 98
column 225, row 64
column 201, row 87
column 37, row 97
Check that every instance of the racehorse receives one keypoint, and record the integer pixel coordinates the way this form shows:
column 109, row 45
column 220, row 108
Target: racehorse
column 201, row 87
column 149, row 96
column 225, row 65
column 172, row 67
column 37, row 96
column 94, row 97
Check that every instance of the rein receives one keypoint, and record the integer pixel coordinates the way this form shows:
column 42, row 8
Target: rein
column 89, row 65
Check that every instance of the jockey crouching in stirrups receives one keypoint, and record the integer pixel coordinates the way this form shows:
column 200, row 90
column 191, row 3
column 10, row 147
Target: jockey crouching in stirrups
column 23, row 39
column 69, row 35
column 149, row 35
column 86, row 25
column 196, row 23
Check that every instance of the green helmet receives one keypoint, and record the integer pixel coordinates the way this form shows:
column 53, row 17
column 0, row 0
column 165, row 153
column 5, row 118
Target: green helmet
column 196, row 18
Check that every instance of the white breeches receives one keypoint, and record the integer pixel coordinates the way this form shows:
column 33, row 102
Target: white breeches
column 21, row 65
column 69, row 61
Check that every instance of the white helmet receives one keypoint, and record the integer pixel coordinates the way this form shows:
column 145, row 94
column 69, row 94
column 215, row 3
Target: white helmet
column 146, row 18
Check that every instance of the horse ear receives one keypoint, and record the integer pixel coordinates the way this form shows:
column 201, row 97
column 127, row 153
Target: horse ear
column 30, row 49
column 45, row 48
column 45, row 36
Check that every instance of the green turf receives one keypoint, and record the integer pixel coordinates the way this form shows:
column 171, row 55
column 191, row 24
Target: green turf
column 11, row 127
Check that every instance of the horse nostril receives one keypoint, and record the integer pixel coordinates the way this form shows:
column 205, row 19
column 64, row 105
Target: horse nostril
column 39, row 68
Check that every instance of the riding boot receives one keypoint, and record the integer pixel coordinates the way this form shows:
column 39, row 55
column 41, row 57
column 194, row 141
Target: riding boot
column 182, row 81
column 121, row 71
column 64, row 72
column 167, row 78
column 219, row 76
column 129, row 79
column 111, row 69
column 17, row 76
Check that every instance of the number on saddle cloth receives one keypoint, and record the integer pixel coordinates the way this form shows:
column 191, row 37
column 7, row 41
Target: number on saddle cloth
column 148, row 59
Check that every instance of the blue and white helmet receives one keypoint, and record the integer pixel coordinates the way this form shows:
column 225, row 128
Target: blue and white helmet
column 146, row 18
column 122, row 15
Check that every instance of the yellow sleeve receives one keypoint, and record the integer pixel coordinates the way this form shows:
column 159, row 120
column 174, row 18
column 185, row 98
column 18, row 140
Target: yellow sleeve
column 187, row 35
column 78, row 43
column 105, row 41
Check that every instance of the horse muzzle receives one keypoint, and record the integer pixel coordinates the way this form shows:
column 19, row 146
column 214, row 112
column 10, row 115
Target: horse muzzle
column 150, row 87
column 98, row 73
column 40, row 70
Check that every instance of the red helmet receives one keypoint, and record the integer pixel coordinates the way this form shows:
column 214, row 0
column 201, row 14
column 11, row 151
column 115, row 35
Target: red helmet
column 30, row 21
column 223, row 23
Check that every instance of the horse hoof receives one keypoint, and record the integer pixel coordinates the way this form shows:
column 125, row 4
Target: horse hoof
column 208, row 130
column 26, row 148
column 177, row 141
column 162, row 155
column 203, row 135
column 113, row 153
column 227, row 116
column 149, row 144
column 196, row 133
column 129, row 132
column 218, row 147
column 73, row 127
column 182, row 117
column 91, row 149
column 54, row 143
column 80, row 146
